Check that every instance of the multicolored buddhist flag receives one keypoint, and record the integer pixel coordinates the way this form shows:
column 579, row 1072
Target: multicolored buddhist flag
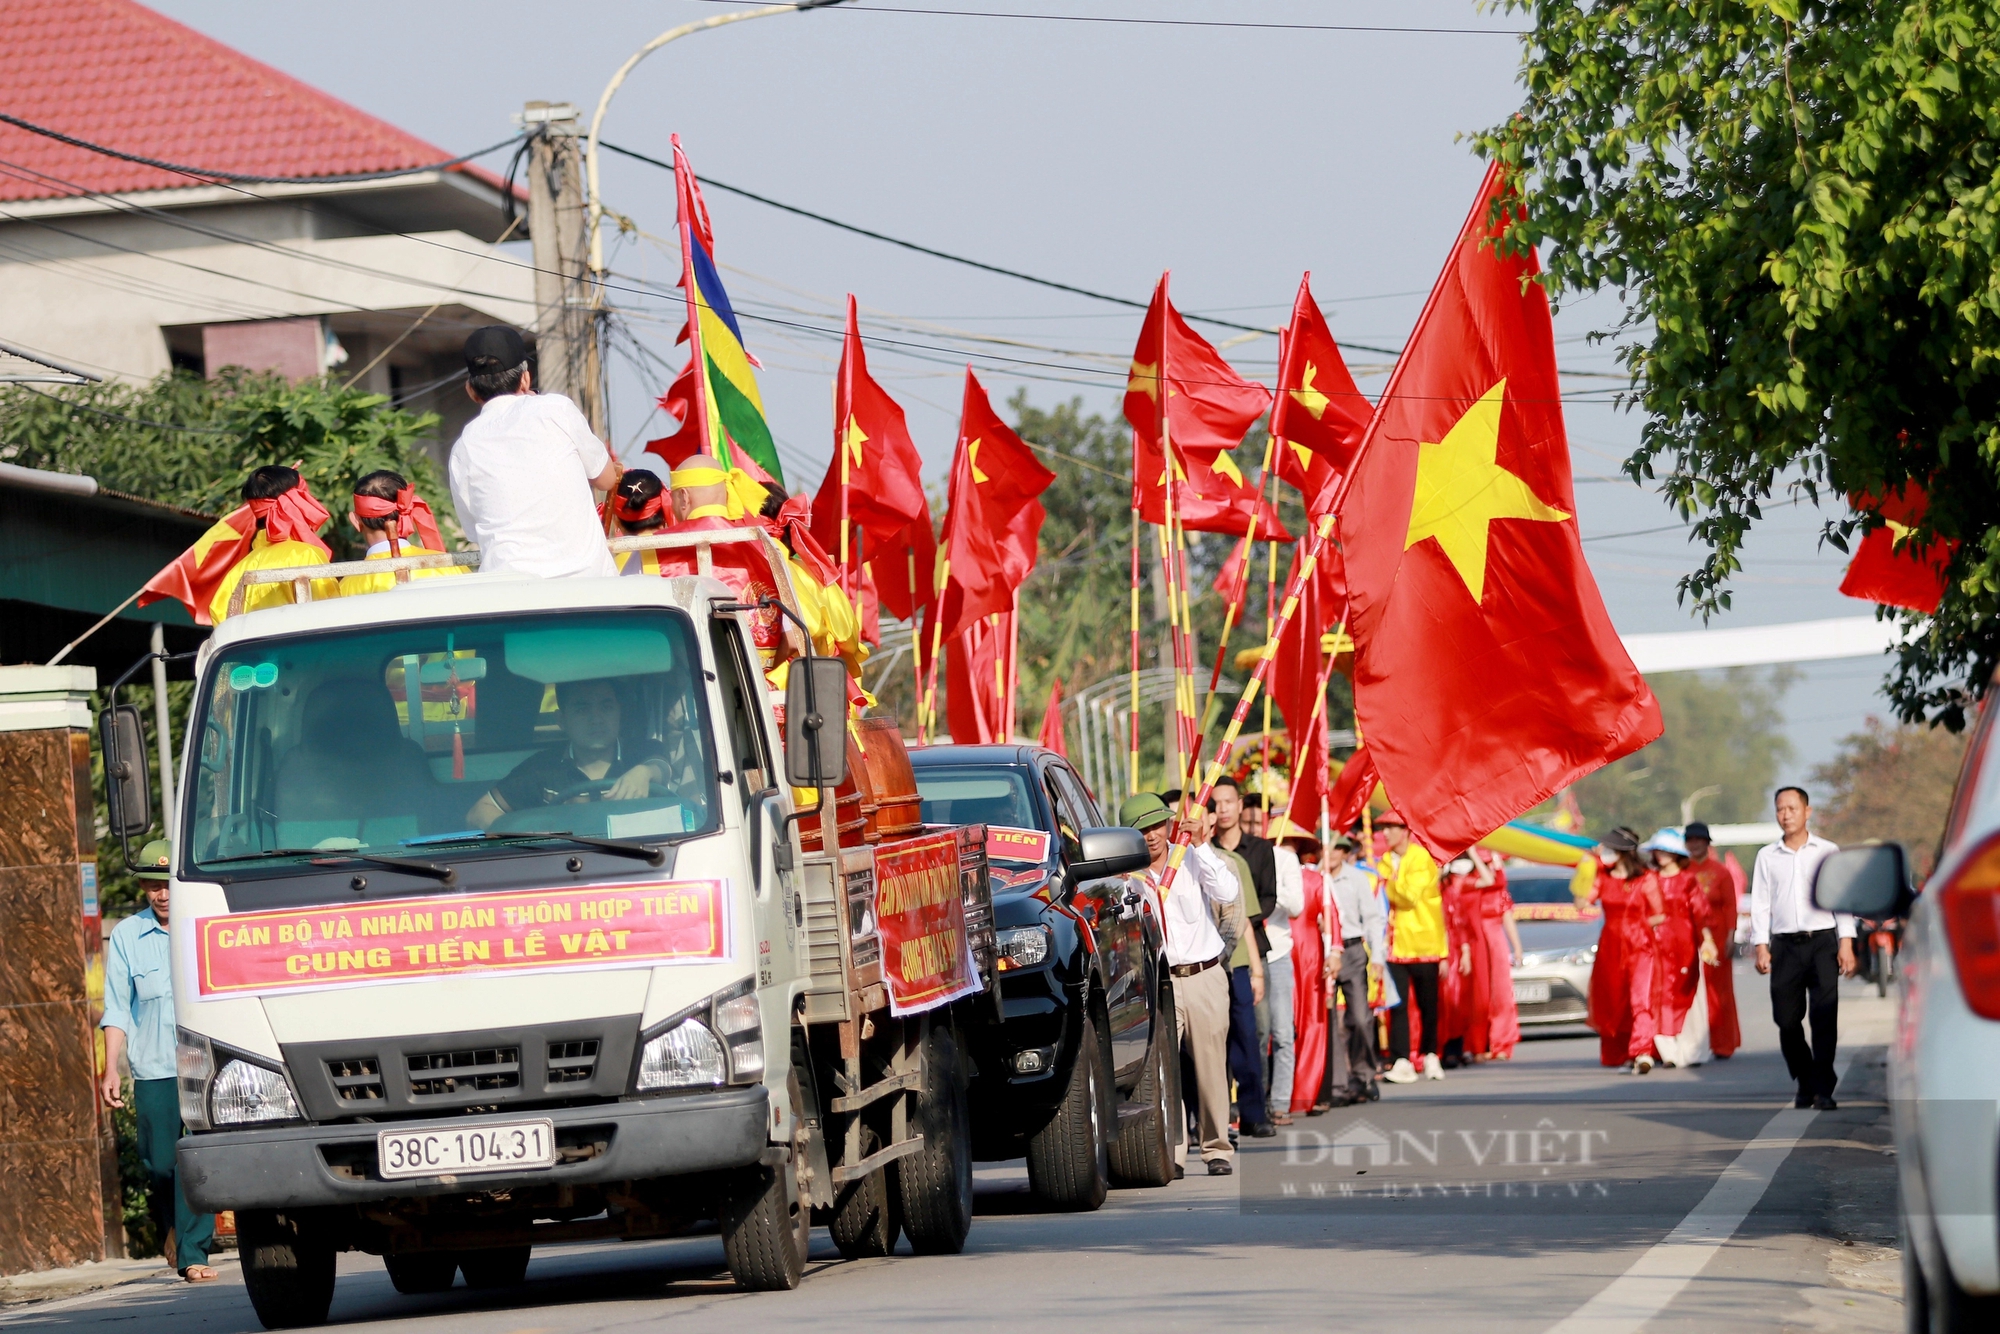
column 730, row 410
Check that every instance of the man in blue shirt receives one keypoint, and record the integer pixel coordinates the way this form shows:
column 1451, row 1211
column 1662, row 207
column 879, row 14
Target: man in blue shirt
column 139, row 1023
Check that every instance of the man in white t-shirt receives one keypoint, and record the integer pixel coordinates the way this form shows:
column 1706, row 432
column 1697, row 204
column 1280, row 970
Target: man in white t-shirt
column 523, row 469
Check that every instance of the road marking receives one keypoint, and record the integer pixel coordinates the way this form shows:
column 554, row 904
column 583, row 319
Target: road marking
column 1657, row 1277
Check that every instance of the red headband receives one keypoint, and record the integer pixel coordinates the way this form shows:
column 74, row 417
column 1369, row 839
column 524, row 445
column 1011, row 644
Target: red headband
column 413, row 515
column 295, row 516
column 628, row 513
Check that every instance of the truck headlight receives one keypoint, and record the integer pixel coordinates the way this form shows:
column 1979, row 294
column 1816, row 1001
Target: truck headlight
column 742, row 1027
column 685, row 1056
column 194, row 1064
column 244, row 1094
column 1021, row 947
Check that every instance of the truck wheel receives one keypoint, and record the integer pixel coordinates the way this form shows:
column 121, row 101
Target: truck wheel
column 501, row 1267
column 1069, row 1158
column 427, row 1271
column 935, row 1182
column 864, row 1222
column 767, row 1217
column 1142, row 1154
column 287, row 1271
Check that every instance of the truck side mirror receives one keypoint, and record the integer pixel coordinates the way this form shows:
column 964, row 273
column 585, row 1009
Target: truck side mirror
column 816, row 722
column 1108, row 852
column 128, row 789
column 1866, row 881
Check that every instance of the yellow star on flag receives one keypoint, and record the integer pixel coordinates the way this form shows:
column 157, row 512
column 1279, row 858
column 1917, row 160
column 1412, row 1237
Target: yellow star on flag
column 1309, row 398
column 853, row 440
column 1227, row 467
column 1461, row 490
column 1144, row 379
column 972, row 458
column 221, row 532
column 1899, row 533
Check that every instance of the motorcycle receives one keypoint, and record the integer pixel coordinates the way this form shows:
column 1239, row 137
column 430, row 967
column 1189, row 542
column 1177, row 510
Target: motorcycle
column 1883, row 940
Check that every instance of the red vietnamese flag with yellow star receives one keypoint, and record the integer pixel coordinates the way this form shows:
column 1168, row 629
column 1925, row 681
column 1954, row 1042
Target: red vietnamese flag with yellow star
column 1180, row 385
column 1319, row 414
column 873, row 491
column 1887, row 567
column 1487, row 675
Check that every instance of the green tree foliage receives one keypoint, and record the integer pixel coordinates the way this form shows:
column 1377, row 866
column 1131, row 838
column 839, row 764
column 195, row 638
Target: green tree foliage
column 1722, row 731
column 1891, row 783
column 1798, row 201
column 189, row 442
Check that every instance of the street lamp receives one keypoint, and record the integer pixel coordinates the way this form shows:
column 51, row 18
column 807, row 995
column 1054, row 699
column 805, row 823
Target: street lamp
column 1687, row 802
column 611, row 89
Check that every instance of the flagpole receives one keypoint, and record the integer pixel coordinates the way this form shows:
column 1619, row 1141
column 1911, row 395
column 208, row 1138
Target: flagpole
column 937, row 640
column 916, row 642
column 1013, row 661
column 1132, row 772
column 1312, row 730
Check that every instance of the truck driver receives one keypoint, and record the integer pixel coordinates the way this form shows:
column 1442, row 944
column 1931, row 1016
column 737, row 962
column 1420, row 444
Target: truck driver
column 594, row 760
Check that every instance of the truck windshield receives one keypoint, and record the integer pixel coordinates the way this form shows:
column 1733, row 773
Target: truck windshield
column 388, row 737
column 998, row 795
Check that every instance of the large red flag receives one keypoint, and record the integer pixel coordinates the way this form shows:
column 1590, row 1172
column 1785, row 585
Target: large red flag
column 1213, row 497
column 1886, row 568
column 1486, row 673
column 975, row 695
column 1318, row 405
column 874, row 487
column 1179, row 381
column 1297, row 680
column 992, row 520
column 194, row 577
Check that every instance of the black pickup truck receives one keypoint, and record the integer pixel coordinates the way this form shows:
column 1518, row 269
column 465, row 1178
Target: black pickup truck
column 1079, row 1070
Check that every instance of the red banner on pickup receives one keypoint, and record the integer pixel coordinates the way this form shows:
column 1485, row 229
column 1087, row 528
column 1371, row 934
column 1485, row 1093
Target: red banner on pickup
column 398, row 939
column 920, row 916
column 1007, row 844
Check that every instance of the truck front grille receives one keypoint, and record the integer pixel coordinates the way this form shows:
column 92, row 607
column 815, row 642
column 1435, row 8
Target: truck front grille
column 356, row 1080
column 439, row 1074
column 572, row 1062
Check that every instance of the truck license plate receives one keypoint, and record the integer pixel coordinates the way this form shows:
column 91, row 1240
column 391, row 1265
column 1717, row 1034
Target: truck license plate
column 1531, row 993
column 461, row 1149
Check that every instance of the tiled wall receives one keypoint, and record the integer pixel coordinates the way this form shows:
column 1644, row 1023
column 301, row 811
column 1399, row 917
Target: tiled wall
column 56, row 1158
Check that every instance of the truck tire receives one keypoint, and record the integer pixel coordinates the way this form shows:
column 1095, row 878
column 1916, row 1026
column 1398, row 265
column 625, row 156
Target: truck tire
column 935, row 1182
column 286, row 1270
column 501, row 1267
column 864, row 1222
column 1069, row 1158
column 1142, row 1154
column 426, row 1271
column 766, row 1217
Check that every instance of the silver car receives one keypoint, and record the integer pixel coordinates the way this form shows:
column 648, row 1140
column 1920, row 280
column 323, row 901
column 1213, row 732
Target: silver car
column 1944, row 1065
column 1558, row 947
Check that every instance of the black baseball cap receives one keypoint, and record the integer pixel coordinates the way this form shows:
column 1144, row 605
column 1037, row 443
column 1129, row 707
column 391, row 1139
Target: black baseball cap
column 493, row 349
column 1697, row 830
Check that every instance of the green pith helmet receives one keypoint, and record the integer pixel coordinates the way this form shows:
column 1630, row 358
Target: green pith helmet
column 1143, row 810
column 154, row 859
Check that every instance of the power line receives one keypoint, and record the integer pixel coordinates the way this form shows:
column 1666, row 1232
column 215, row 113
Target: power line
column 1171, row 23
column 121, row 417
column 934, row 253
column 241, row 177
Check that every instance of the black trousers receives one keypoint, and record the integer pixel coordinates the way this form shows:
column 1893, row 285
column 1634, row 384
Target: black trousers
column 1418, row 982
column 1805, row 979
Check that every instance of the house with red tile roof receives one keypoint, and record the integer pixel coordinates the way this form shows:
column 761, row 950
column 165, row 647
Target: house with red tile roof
column 127, row 268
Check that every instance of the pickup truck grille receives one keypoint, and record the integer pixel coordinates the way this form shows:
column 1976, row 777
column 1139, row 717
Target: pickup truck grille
column 572, row 1062
column 438, row 1074
column 358, row 1080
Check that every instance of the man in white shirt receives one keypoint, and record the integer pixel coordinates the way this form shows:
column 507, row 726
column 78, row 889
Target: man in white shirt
column 1353, row 962
column 523, row 470
column 1805, row 949
column 1278, row 982
column 1195, row 959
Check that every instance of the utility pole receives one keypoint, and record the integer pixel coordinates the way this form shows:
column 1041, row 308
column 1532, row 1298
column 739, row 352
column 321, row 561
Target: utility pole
column 567, row 357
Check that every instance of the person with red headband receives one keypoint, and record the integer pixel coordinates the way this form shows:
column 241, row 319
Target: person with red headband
column 389, row 513
column 288, row 519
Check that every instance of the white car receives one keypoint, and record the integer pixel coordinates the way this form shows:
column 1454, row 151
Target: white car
column 1944, row 1065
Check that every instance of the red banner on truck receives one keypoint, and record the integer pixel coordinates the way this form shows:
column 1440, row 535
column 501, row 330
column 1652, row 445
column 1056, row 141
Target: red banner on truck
column 607, row 926
column 920, row 917
column 1004, row 844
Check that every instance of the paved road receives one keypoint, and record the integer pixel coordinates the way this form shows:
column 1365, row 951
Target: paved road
column 1503, row 1198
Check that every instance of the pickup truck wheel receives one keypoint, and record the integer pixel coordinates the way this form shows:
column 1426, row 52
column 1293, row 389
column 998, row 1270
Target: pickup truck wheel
column 501, row 1267
column 766, row 1217
column 427, row 1271
column 1069, row 1158
column 286, row 1270
column 935, row 1182
column 864, row 1222
column 1143, row 1152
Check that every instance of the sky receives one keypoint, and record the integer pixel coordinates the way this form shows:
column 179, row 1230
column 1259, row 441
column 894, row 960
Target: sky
column 1098, row 154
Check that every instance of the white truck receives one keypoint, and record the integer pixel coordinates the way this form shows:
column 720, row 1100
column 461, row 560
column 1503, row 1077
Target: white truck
column 493, row 927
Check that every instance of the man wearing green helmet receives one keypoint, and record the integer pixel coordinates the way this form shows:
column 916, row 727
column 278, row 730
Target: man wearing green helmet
column 139, row 1024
